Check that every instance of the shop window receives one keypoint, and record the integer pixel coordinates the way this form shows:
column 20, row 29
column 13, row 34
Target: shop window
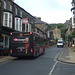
column 1, row 42
column 6, row 42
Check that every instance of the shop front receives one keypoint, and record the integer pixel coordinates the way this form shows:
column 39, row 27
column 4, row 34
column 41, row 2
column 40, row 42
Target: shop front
column 4, row 39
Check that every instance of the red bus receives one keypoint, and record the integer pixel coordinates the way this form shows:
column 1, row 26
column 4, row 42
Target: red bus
column 26, row 44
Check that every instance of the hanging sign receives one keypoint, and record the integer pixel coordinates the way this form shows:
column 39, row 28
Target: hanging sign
column 24, row 21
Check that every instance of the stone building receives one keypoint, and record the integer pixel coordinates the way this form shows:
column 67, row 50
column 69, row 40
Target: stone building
column 42, row 26
column 14, row 18
column 57, row 33
column 68, row 31
column 73, row 14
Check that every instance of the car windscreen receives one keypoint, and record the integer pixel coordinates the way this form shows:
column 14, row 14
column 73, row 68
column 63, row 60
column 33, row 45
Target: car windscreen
column 60, row 42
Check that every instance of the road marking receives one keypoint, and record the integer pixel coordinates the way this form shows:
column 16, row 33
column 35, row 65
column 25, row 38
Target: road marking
column 55, row 59
column 57, row 56
column 53, row 68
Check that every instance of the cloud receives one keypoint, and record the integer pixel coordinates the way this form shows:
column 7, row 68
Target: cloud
column 66, row 3
column 51, row 11
column 54, row 17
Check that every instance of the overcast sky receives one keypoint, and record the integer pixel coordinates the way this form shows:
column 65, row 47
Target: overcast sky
column 50, row 11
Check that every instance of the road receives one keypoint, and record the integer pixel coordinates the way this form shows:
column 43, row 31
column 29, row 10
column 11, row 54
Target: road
column 43, row 65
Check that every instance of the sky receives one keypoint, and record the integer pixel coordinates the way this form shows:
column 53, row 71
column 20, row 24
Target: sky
column 50, row 11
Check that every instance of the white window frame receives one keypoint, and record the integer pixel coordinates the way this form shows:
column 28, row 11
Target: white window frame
column 9, row 19
column 4, row 4
column 29, row 28
column 18, row 26
column 26, row 27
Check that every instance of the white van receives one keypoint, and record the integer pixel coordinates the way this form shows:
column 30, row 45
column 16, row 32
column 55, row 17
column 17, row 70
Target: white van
column 60, row 43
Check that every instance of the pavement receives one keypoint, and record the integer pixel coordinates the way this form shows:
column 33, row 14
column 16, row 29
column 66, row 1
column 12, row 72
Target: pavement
column 6, row 58
column 67, row 55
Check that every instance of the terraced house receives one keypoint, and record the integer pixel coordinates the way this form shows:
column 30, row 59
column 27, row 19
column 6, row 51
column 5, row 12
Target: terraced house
column 11, row 18
column 15, row 18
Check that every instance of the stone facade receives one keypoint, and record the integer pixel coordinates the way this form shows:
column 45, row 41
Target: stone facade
column 73, row 14
column 11, row 19
column 42, row 26
column 57, row 33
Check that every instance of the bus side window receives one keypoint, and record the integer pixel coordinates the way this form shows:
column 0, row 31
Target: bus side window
column 35, row 40
column 39, row 41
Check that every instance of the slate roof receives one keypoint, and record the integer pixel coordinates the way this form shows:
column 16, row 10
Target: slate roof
column 37, row 21
column 21, row 8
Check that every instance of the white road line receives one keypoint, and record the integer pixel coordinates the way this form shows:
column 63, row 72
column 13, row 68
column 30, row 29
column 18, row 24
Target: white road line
column 53, row 68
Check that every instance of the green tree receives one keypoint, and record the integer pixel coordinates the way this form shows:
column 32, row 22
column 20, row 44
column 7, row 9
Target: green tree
column 73, row 35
